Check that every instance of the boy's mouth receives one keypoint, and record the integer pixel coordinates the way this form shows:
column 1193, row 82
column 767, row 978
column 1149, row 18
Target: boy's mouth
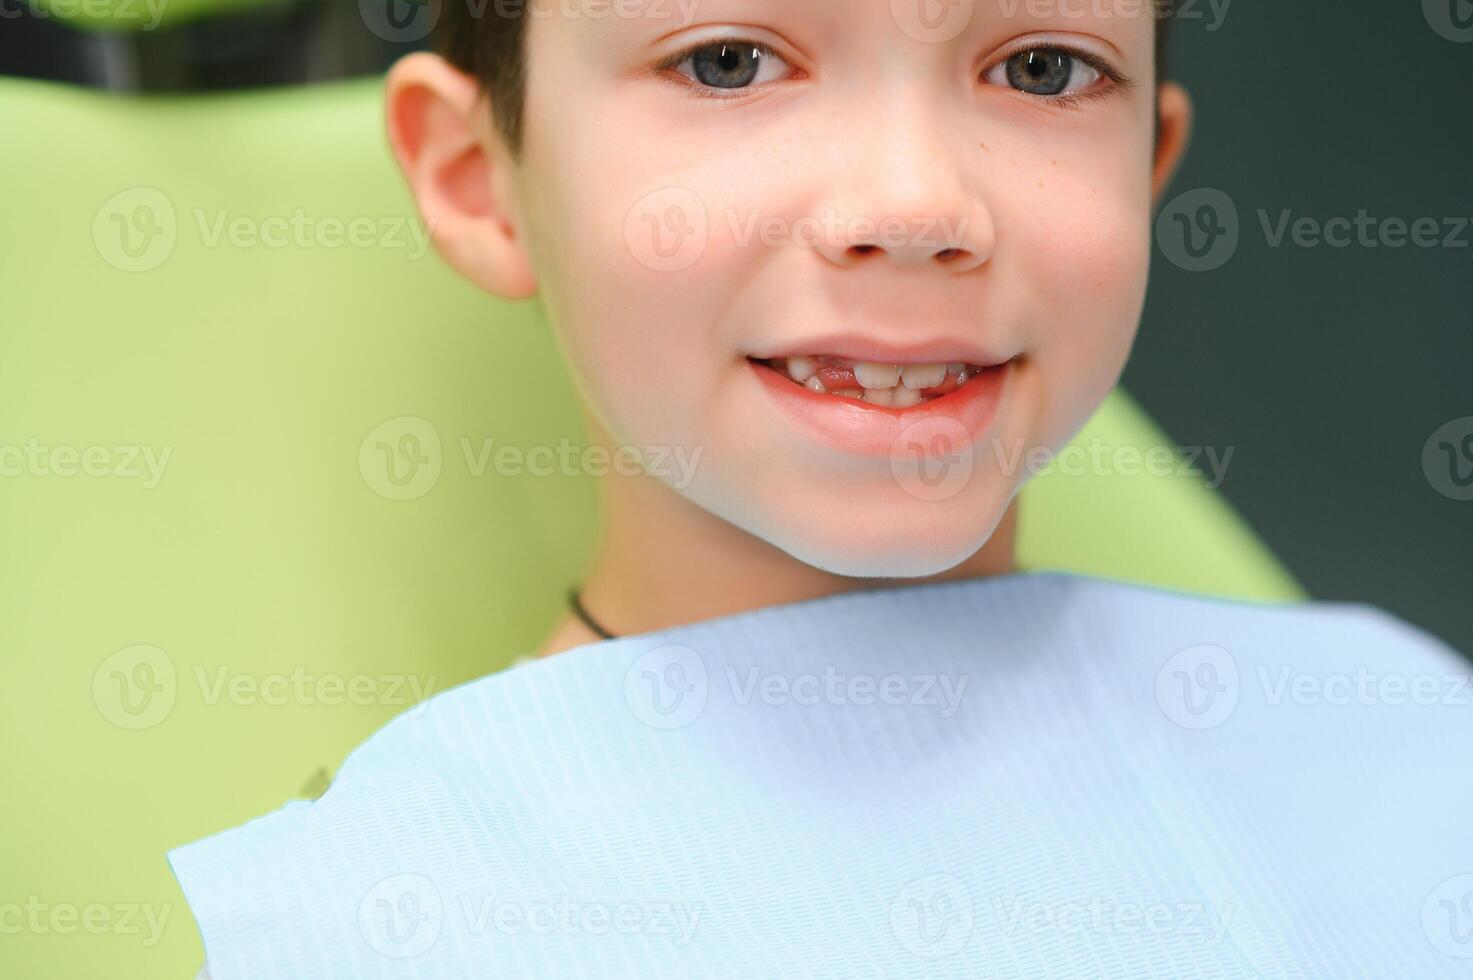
column 871, row 401
column 885, row 385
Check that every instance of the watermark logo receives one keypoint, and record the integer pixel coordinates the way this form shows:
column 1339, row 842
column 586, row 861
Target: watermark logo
column 1364, row 230
column 1198, row 688
column 667, row 230
column 308, row 689
column 675, row 922
column 1098, row 458
column 401, row 459
column 135, row 688
column 1363, row 686
column 667, row 687
column 138, row 687
column 301, row 230
column 932, row 917
column 932, row 21
column 1447, row 459
column 400, row 21
column 1447, row 917
column 1451, row 19
column 675, row 465
column 136, row 230
column 836, row 231
column 1210, row 13
column 401, row 917
column 932, row 459
column 943, row 692
column 1199, row 231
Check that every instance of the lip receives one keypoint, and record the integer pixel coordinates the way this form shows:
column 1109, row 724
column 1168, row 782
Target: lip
column 875, row 430
column 860, row 348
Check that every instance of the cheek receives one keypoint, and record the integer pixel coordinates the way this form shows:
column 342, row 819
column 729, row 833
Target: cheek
column 614, row 262
column 1080, row 227
column 1076, row 236
column 642, row 250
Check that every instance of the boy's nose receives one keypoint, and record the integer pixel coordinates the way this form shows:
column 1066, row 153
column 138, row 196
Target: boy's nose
column 919, row 248
column 902, row 195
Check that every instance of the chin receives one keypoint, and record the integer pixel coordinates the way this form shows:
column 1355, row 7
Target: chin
column 913, row 563
column 907, row 539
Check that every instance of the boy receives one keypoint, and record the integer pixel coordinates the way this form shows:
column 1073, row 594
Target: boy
column 1015, row 240
column 854, row 256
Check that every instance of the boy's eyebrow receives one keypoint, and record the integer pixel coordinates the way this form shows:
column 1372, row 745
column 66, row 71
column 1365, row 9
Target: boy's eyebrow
column 989, row 15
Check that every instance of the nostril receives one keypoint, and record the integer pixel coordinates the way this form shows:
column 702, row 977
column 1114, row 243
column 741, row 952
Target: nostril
column 863, row 249
column 948, row 254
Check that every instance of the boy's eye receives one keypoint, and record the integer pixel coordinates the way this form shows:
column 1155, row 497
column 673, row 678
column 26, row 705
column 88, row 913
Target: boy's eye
column 1047, row 71
column 729, row 64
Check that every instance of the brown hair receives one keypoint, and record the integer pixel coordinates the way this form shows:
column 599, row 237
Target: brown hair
column 491, row 45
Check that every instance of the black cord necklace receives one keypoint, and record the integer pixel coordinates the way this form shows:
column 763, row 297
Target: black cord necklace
column 576, row 602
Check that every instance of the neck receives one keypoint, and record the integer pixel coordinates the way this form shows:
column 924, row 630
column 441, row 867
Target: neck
column 662, row 561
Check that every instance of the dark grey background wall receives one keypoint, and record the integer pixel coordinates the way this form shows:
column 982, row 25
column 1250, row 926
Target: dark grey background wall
column 1340, row 377
column 1328, row 369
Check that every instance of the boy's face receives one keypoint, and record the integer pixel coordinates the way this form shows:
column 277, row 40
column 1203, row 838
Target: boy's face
column 873, row 189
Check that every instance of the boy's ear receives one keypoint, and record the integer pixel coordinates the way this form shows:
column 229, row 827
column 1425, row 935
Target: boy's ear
column 1173, row 132
column 459, row 169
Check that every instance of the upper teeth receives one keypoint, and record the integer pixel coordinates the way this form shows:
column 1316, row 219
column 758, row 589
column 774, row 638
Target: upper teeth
column 923, row 375
column 894, row 385
column 872, row 375
column 800, row 369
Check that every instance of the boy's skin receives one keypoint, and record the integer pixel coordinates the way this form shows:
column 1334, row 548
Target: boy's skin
column 861, row 114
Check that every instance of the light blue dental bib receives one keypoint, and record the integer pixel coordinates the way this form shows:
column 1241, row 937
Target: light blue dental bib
column 1029, row 776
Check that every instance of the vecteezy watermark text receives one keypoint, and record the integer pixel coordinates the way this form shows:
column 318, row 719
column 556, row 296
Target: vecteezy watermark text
column 1100, row 916
column 138, row 687
column 670, row 229
column 1201, row 687
column 568, row 916
column 1211, row 13
column 403, row 458
column 138, row 229
column 120, row 462
column 38, row 917
column 146, row 14
column 831, row 686
column 1096, row 458
column 1200, row 230
column 409, row 21
column 669, row 686
column 403, row 916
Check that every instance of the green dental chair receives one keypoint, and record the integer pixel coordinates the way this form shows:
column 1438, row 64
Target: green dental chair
column 241, row 521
